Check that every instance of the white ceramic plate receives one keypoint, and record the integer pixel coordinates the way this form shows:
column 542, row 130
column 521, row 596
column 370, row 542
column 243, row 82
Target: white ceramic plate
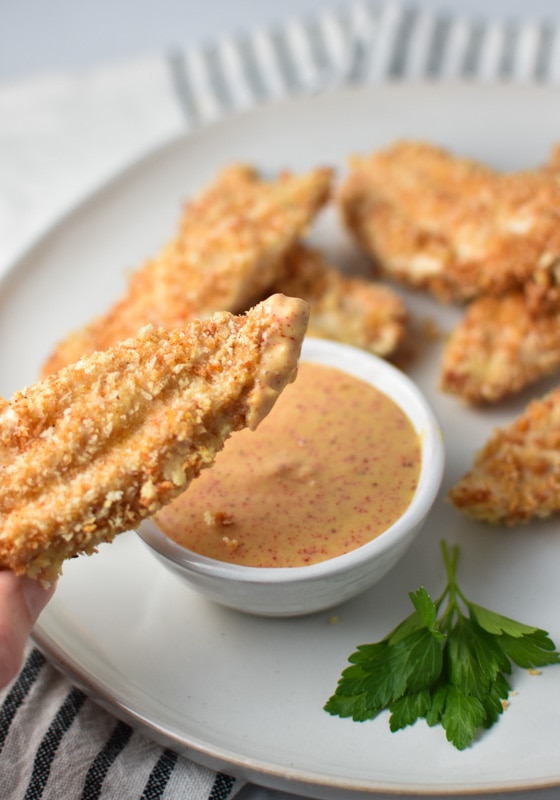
column 246, row 694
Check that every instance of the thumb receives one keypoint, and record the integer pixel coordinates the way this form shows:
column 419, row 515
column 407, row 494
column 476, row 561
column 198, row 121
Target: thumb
column 21, row 601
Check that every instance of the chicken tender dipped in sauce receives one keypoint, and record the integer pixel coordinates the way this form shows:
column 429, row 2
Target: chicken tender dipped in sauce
column 333, row 467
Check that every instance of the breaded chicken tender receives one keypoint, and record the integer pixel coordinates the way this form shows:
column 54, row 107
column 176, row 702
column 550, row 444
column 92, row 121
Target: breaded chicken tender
column 450, row 225
column 502, row 345
column 516, row 475
column 225, row 255
column 89, row 451
column 346, row 309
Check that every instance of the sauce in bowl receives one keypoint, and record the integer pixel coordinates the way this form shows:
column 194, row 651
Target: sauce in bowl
column 333, row 466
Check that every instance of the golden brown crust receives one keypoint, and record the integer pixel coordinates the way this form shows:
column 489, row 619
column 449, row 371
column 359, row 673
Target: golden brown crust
column 499, row 347
column 92, row 449
column 224, row 257
column 347, row 309
column 450, row 225
column 516, row 475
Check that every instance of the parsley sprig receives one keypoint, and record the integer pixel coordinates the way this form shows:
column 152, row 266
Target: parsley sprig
column 446, row 663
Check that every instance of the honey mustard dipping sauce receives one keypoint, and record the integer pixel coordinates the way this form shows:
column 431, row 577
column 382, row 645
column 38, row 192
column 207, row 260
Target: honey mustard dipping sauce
column 333, row 466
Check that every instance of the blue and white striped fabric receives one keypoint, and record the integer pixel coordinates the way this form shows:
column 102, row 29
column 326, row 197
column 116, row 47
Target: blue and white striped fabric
column 55, row 743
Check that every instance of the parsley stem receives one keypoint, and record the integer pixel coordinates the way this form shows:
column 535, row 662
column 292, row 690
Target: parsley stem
column 451, row 560
column 451, row 592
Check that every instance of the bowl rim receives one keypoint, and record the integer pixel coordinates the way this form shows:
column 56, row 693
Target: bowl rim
column 401, row 389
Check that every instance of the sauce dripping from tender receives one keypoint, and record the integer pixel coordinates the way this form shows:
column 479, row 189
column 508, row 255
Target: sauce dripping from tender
column 332, row 467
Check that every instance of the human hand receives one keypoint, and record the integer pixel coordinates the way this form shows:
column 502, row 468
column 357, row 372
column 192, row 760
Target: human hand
column 21, row 601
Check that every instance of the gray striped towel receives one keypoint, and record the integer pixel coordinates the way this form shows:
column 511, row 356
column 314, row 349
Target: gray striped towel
column 55, row 742
column 360, row 43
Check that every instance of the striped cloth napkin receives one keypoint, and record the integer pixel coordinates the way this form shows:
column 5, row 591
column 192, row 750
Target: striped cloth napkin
column 60, row 137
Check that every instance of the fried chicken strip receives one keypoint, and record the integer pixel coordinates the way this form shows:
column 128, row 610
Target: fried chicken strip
column 225, row 255
column 88, row 452
column 347, row 309
column 501, row 345
column 516, row 475
column 451, row 225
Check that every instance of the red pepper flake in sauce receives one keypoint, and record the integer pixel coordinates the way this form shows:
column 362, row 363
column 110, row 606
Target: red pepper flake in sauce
column 332, row 467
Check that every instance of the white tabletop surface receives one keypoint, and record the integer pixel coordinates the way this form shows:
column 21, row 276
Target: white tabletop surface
column 40, row 38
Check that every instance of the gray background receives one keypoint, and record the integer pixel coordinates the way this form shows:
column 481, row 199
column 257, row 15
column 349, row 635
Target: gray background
column 51, row 35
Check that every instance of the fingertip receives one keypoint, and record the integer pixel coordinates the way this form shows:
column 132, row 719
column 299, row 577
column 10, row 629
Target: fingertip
column 36, row 595
column 21, row 601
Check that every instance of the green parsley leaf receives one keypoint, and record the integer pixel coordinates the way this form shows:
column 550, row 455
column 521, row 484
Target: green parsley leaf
column 494, row 700
column 405, row 628
column 462, row 715
column 535, row 650
column 446, row 663
column 497, row 624
column 426, row 610
column 408, row 708
column 439, row 695
column 474, row 658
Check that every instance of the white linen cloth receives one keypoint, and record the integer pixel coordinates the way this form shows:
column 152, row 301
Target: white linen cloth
column 63, row 135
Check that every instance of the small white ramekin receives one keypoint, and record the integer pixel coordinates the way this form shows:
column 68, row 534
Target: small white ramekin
column 291, row 591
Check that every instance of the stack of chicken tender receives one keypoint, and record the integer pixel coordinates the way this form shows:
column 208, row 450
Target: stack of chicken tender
column 133, row 405
column 491, row 242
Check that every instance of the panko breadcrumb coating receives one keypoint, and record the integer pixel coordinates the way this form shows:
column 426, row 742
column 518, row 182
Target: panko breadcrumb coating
column 91, row 450
column 224, row 257
column 500, row 346
column 516, row 475
column 451, row 225
column 347, row 309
